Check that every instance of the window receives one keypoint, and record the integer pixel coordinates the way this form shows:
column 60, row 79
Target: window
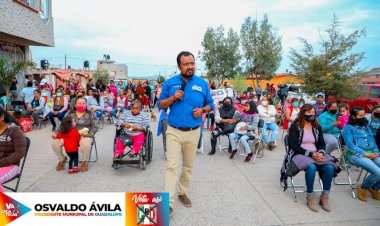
column 30, row 4
column 375, row 92
column 44, row 9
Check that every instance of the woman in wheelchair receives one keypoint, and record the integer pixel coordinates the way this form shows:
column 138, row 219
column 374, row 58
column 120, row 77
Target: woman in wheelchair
column 308, row 148
column 362, row 151
column 249, row 120
column 12, row 147
column 134, row 123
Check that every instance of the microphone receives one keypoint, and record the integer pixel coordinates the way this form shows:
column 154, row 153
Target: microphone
column 182, row 87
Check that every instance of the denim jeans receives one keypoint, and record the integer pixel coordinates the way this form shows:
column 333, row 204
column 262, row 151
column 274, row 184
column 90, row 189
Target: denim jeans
column 326, row 173
column 269, row 126
column 243, row 139
column 371, row 166
column 60, row 115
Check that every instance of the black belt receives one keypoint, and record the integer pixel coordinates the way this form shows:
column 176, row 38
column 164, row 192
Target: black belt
column 185, row 129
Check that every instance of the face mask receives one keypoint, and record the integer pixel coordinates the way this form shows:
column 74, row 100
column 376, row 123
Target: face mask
column 376, row 114
column 81, row 108
column 59, row 94
column 296, row 104
column 310, row 118
column 333, row 112
column 361, row 121
column 226, row 105
column 264, row 103
column 255, row 100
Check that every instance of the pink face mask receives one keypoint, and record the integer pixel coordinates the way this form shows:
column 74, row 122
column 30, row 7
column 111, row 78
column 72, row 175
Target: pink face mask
column 81, row 108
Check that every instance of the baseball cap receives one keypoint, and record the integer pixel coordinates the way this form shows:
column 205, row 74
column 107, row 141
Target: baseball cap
column 43, row 82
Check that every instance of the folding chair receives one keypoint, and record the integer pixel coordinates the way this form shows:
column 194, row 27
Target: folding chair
column 294, row 185
column 258, row 151
column 18, row 176
column 347, row 165
column 93, row 146
column 18, row 107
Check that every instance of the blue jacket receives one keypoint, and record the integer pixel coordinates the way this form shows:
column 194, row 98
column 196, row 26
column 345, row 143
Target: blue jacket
column 327, row 120
column 359, row 140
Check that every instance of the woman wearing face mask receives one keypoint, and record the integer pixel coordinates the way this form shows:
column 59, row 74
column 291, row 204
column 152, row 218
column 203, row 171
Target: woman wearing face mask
column 85, row 121
column 95, row 103
column 226, row 118
column 307, row 152
column 268, row 114
column 249, row 120
column 362, row 151
column 291, row 114
column 374, row 123
column 329, row 124
column 58, row 107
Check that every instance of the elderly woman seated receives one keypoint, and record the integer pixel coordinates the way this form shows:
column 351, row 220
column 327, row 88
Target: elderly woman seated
column 12, row 147
column 134, row 123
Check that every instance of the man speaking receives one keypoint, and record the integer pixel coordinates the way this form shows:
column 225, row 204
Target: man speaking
column 188, row 97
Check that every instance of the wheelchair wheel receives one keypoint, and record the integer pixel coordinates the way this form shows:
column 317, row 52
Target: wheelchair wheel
column 143, row 162
column 150, row 147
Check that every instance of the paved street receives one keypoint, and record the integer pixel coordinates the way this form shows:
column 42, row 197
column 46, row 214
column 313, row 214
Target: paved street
column 223, row 191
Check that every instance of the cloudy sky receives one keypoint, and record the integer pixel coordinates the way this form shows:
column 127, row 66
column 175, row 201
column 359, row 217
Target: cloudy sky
column 148, row 35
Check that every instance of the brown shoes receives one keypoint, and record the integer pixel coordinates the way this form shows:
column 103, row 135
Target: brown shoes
column 185, row 200
column 61, row 164
column 362, row 193
column 84, row 166
column 375, row 194
column 248, row 158
column 311, row 203
column 324, row 202
column 233, row 153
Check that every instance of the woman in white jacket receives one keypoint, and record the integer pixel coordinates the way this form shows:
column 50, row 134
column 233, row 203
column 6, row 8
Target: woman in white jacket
column 268, row 114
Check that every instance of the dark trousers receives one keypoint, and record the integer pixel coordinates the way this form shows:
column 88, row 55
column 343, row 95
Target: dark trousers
column 214, row 136
column 59, row 116
column 73, row 159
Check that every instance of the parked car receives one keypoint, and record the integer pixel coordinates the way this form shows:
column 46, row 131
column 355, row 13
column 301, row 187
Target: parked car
column 370, row 97
column 296, row 92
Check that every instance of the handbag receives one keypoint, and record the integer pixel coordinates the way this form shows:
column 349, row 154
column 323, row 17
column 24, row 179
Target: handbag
column 26, row 124
column 125, row 138
column 57, row 107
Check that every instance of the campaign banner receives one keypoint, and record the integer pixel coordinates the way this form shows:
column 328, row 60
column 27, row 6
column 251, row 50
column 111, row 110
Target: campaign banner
column 46, row 209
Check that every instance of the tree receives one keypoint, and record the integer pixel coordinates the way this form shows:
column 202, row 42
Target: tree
column 102, row 75
column 221, row 54
column 160, row 79
column 261, row 48
column 10, row 68
column 333, row 70
column 240, row 83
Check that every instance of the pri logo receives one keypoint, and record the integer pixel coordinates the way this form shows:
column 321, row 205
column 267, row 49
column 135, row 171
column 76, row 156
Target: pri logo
column 10, row 209
column 147, row 214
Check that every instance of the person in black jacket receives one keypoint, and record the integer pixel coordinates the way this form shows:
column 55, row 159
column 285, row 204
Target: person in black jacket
column 307, row 150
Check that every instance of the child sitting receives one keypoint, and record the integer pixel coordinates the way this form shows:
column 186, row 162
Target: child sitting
column 343, row 116
column 134, row 123
column 71, row 139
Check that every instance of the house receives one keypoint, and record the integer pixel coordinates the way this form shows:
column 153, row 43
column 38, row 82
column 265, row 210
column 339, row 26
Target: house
column 25, row 23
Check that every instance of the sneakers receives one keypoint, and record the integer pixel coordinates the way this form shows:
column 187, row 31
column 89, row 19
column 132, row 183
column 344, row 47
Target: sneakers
column 185, row 200
column 271, row 145
column 212, row 128
column 117, row 158
column 53, row 129
column 71, row 171
column 61, row 164
column 233, row 153
column 248, row 158
column 76, row 169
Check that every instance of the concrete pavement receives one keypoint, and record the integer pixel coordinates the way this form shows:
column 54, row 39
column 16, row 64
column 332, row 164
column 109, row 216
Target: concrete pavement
column 223, row 191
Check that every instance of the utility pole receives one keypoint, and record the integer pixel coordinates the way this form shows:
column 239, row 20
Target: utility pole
column 65, row 61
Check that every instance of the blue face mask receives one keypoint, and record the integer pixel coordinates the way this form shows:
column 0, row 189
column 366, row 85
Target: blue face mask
column 59, row 94
column 296, row 104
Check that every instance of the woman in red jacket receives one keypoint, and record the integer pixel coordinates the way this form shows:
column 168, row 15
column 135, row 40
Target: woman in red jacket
column 71, row 140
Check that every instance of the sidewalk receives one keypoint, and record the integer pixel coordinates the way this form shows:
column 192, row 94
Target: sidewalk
column 223, row 191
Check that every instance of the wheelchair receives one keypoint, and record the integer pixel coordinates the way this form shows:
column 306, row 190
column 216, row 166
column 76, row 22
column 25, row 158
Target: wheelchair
column 145, row 155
